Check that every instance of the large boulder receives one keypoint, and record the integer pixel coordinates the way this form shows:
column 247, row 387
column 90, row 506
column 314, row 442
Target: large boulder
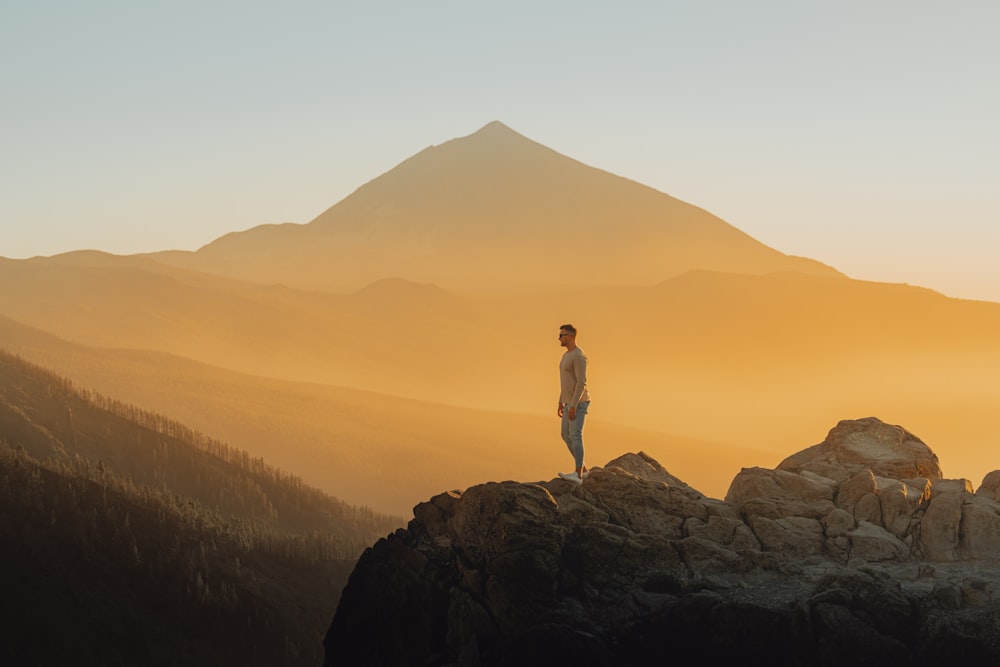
column 990, row 488
column 940, row 526
column 860, row 444
column 981, row 528
column 873, row 543
column 777, row 494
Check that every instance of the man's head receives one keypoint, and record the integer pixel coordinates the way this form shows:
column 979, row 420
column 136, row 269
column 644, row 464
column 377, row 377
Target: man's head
column 567, row 335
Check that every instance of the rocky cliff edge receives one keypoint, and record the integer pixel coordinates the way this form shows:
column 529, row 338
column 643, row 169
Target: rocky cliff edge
column 853, row 551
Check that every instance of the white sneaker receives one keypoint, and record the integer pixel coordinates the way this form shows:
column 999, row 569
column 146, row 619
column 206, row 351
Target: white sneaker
column 571, row 477
column 586, row 474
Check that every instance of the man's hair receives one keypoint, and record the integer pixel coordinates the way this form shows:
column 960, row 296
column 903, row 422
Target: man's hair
column 568, row 327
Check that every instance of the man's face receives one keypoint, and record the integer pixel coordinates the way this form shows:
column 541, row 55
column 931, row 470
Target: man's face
column 564, row 337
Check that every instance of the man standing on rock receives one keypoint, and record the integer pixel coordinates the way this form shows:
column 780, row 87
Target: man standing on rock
column 574, row 399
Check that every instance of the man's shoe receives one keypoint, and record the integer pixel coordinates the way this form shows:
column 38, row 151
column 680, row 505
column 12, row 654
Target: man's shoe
column 571, row 477
column 586, row 474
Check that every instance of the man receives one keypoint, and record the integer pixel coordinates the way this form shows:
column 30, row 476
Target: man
column 574, row 399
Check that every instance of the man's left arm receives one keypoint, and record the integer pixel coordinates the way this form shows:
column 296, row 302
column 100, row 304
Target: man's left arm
column 580, row 371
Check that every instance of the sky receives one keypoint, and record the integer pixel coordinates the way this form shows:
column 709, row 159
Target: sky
column 861, row 134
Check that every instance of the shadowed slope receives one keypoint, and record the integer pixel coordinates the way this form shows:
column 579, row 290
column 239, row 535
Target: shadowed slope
column 129, row 539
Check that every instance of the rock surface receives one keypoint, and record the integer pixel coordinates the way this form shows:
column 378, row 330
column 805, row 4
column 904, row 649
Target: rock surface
column 853, row 551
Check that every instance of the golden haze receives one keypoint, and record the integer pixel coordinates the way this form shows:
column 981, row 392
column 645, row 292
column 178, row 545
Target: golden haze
column 404, row 343
column 432, row 390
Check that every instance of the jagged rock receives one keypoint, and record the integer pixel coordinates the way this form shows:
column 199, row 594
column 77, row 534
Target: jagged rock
column 643, row 466
column 663, row 510
column 898, row 501
column 951, row 486
column 863, row 617
column 836, row 526
column 980, row 528
column 874, row 543
column 854, row 445
column 795, row 536
column 708, row 557
column 776, row 494
column 854, row 551
column 990, row 488
column 725, row 530
column 869, row 508
column 939, row 528
column 855, row 488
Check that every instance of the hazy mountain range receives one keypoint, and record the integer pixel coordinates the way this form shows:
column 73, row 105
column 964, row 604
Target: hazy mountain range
column 404, row 341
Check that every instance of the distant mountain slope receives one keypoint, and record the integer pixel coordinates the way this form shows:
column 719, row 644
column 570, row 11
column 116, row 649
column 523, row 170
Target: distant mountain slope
column 49, row 419
column 493, row 209
column 733, row 359
column 346, row 340
column 376, row 449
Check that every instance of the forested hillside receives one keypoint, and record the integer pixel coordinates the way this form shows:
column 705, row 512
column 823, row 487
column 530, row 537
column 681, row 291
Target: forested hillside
column 127, row 538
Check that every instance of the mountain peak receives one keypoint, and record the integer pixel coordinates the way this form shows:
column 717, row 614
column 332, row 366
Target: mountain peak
column 456, row 213
column 496, row 129
column 494, row 126
column 493, row 137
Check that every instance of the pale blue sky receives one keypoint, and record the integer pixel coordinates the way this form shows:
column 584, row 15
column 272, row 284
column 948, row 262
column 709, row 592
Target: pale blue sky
column 862, row 134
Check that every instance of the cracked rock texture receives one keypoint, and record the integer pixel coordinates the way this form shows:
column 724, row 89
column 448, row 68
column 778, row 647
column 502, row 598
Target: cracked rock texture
column 853, row 551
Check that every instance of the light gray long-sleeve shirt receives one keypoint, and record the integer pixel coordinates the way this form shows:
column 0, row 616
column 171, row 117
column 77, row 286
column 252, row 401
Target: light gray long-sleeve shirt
column 573, row 379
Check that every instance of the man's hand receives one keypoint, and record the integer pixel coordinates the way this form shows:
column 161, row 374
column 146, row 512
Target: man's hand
column 560, row 410
column 572, row 413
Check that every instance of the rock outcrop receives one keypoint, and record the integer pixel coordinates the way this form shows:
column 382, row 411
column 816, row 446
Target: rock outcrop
column 853, row 551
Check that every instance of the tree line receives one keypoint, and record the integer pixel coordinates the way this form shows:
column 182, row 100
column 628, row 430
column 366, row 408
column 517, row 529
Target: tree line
column 133, row 539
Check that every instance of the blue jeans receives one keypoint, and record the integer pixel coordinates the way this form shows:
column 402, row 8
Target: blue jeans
column 572, row 432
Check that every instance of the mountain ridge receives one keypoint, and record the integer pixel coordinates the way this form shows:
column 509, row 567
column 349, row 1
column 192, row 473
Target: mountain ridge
column 487, row 209
column 668, row 357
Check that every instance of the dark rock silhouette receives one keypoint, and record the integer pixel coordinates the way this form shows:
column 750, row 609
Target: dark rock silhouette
column 854, row 551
